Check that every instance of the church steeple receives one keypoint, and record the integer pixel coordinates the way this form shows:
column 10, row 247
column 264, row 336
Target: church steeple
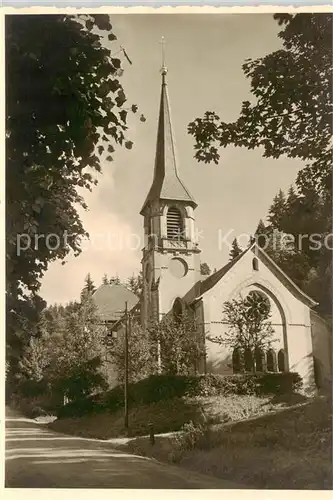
column 166, row 184
column 171, row 253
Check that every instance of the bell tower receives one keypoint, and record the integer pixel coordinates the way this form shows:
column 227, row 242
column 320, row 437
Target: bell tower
column 171, row 256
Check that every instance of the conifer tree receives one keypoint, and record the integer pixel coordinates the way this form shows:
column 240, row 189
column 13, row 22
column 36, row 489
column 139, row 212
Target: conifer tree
column 135, row 284
column 277, row 210
column 114, row 280
column 261, row 235
column 88, row 289
column 235, row 250
column 105, row 279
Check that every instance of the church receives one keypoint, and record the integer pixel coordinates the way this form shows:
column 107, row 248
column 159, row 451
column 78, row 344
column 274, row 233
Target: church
column 172, row 280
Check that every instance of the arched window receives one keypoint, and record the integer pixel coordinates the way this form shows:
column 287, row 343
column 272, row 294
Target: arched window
column 271, row 361
column 255, row 264
column 248, row 360
column 259, row 301
column 281, row 361
column 259, row 358
column 236, row 360
column 177, row 310
column 175, row 229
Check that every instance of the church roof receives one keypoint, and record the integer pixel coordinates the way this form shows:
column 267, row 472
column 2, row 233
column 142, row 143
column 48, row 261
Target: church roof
column 111, row 301
column 211, row 281
column 166, row 182
column 214, row 278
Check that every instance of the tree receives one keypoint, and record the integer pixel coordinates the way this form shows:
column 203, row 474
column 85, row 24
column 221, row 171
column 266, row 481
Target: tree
column 180, row 347
column 277, row 210
column 70, row 360
column 22, row 323
column 105, row 279
column 88, row 289
column 205, row 269
column 306, row 227
column 115, row 280
column 235, row 250
column 292, row 112
column 248, row 323
column 65, row 113
column 135, row 284
column 140, row 357
column 261, row 234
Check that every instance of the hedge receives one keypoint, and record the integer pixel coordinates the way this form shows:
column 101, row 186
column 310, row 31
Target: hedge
column 164, row 387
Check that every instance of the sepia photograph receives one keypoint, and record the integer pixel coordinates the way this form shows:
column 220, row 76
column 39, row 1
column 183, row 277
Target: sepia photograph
column 168, row 253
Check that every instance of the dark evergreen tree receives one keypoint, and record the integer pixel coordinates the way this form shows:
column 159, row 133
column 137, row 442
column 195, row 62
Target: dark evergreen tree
column 277, row 210
column 261, row 235
column 105, row 279
column 135, row 284
column 235, row 250
column 88, row 289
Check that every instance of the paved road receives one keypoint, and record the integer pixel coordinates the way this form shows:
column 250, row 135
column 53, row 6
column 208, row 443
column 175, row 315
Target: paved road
column 37, row 457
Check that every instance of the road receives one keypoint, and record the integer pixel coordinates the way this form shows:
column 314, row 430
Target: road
column 37, row 457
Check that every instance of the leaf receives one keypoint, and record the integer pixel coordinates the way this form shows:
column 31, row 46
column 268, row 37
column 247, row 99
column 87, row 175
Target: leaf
column 128, row 144
column 134, row 108
column 123, row 115
column 89, row 25
column 142, row 118
column 112, row 37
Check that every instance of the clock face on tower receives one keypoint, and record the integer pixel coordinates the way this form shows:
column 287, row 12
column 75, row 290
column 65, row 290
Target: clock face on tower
column 178, row 268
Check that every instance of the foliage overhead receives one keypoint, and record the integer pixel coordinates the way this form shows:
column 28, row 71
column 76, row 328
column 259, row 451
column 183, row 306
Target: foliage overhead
column 291, row 113
column 65, row 109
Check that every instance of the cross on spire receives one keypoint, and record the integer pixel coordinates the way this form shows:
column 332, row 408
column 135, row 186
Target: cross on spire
column 164, row 68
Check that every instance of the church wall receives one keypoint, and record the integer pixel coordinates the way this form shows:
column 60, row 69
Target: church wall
column 290, row 316
column 171, row 287
column 322, row 350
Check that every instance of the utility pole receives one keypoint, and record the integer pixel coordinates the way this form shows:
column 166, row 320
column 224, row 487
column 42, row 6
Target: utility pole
column 127, row 327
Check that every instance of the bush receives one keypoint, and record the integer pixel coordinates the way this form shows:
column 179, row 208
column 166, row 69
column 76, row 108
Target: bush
column 246, row 384
column 165, row 387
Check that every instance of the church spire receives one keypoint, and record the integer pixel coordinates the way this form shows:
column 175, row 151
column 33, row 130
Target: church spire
column 166, row 182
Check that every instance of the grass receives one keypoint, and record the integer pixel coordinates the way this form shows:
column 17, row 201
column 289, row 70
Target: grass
column 166, row 416
column 289, row 449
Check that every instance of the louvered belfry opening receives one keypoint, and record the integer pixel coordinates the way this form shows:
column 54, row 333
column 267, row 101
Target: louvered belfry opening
column 175, row 229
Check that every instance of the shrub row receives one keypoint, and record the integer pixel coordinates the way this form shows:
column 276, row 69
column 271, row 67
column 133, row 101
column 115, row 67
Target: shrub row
column 164, row 387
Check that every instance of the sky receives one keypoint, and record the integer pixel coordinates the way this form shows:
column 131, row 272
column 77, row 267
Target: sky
column 204, row 56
